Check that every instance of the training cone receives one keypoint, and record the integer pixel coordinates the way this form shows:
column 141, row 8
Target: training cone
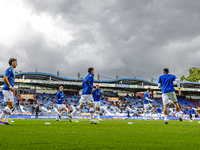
column 77, row 121
column 47, row 123
column 12, row 121
column 130, row 123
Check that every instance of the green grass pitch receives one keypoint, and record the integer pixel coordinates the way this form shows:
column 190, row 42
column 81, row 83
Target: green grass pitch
column 108, row 134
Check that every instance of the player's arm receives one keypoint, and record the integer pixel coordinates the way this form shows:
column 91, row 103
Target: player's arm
column 102, row 95
column 57, row 97
column 159, row 83
column 148, row 99
column 7, row 83
column 178, row 85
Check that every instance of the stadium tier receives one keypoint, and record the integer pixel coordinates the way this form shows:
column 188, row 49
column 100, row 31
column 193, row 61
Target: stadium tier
column 48, row 105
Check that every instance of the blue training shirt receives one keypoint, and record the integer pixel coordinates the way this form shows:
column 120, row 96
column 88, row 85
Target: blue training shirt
column 97, row 95
column 60, row 95
column 88, row 84
column 159, row 110
column 185, row 112
column 11, row 78
column 144, row 98
column 166, row 82
column 128, row 112
column 191, row 111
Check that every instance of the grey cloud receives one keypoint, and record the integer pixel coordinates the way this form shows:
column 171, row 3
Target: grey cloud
column 127, row 38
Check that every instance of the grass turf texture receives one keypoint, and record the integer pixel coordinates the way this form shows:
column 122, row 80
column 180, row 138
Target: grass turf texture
column 108, row 134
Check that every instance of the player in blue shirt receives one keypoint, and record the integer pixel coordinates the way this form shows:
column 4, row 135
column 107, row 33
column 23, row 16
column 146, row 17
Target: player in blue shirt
column 185, row 114
column 159, row 112
column 8, row 90
column 86, row 96
column 147, row 104
column 128, row 113
column 192, row 114
column 97, row 96
column 61, row 106
column 165, row 81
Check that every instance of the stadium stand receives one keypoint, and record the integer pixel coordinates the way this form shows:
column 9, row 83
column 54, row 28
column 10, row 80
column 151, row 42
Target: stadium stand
column 48, row 105
column 45, row 81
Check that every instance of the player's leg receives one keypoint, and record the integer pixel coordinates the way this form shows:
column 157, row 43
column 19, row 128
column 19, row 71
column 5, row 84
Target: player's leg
column 59, row 113
column 9, row 99
column 65, row 110
column 82, row 103
column 97, row 105
column 185, row 117
column 145, row 112
column 10, row 106
column 193, row 117
column 165, row 99
column 173, row 98
column 36, row 115
column 158, row 114
column 90, row 101
column 178, row 110
column 151, row 111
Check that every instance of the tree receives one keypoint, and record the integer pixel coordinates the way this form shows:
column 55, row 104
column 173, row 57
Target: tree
column 194, row 75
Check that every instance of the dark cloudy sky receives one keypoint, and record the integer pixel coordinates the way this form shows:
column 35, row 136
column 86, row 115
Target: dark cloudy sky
column 118, row 37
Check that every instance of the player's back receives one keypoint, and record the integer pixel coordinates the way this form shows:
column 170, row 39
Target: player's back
column 166, row 82
column 146, row 95
column 88, row 84
column 193, row 111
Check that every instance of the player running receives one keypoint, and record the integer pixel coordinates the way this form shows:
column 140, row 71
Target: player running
column 192, row 114
column 8, row 90
column 165, row 81
column 147, row 104
column 60, row 99
column 86, row 96
column 97, row 95
column 159, row 112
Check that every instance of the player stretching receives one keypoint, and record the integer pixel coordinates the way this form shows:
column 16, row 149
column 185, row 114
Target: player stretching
column 97, row 95
column 159, row 112
column 168, row 92
column 147, row 104
column 8, row 90
column 86, row 96
column 59, row 98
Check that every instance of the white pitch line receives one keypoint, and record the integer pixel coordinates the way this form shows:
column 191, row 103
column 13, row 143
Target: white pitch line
column 103, row 132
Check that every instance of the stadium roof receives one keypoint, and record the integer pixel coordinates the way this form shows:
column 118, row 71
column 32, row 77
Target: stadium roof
column 53, row 81
column 46, row 76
